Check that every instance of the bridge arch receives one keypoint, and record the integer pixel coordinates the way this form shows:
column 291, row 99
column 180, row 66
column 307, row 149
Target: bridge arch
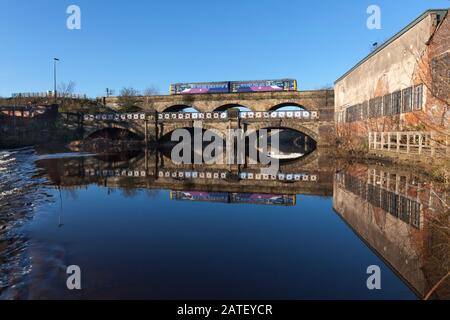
column 180, row 108
column 288, row 106
column 217, row 131
column 299, row 164
column 165, row 135
column 293, row 144
column 166, row 144
column 228, row 106
column 116, row 133
column 297, row 127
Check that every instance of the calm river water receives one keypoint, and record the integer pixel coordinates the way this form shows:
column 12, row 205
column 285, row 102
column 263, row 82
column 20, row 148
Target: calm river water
column 140, row 227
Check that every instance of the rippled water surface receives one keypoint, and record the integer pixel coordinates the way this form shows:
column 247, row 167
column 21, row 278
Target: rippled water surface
column 20, row 195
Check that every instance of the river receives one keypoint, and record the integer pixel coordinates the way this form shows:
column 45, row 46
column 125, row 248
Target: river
column 140, row 227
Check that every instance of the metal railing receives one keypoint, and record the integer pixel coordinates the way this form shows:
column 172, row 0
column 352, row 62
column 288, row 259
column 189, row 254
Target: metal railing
column 49, row 94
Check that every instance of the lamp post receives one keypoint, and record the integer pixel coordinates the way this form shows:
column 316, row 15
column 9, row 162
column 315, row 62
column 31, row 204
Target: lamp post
column 55, row 60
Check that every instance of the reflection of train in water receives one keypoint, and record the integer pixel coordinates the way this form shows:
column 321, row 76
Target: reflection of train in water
column 225, row 197
column 234, row 86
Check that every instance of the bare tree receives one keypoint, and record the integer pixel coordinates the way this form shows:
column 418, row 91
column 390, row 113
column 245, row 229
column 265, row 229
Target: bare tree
column 150, row 91
column 432, row 65
column 432, row 70
column 66, row 89
column 327, row 86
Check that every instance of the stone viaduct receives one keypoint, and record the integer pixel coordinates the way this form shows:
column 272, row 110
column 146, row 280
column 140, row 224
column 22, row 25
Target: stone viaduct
column 161, row 115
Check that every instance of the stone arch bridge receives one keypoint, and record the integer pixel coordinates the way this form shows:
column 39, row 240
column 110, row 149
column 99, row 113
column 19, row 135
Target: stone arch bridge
column 163, row 114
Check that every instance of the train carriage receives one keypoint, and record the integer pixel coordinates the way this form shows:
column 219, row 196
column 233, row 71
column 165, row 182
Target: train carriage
column 200, row 88
column 264, row 85
column 234, row 87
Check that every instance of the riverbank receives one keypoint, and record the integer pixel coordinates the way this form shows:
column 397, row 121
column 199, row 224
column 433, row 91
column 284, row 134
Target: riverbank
column 27, row 133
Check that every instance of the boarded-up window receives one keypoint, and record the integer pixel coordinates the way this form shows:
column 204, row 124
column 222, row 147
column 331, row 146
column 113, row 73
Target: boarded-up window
column 418, row 97
column 405, row 209
column 415, row 214
column 379, row 106
column 373, row 195
column 372, row 111
column 441, row 76
column 396, row 102
column 407, row 100
column 387, row 105
column 375, row 107
column 353, row 113
column 365, row 111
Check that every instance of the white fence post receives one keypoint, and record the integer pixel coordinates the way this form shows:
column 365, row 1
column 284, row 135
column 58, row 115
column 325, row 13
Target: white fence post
column 420, row 143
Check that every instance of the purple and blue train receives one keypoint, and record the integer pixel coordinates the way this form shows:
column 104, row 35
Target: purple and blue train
column 225, row 197
column 234, row 86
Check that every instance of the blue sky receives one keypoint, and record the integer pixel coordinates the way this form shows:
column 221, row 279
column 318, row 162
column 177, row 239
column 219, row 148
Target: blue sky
column 154, row 43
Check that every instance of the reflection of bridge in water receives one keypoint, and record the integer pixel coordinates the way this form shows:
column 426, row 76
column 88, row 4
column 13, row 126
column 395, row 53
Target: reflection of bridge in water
column 311, row 175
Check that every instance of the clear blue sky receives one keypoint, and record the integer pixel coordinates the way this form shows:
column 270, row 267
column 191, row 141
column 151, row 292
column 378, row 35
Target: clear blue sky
column 143, row 43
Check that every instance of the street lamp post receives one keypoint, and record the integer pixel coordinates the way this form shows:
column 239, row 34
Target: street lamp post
column 54, row 79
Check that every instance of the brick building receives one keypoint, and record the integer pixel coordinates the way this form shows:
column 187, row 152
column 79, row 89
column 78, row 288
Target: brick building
column 402, row 86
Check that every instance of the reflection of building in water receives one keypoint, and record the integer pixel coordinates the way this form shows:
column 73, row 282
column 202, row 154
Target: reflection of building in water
column 226, row 197
column 399, row 216
column 377, row 192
